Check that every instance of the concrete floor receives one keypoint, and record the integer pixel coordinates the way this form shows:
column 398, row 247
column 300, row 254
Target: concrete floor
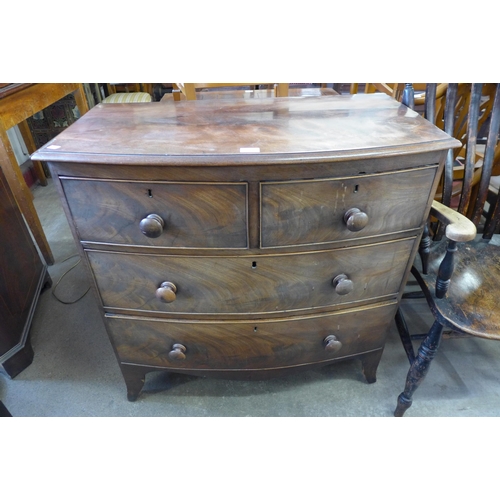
column 74, row 372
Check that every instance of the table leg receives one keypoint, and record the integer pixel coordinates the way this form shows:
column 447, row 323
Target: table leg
column 23, row 197
column 419, row 367
column 30, row 144
column 81, row 100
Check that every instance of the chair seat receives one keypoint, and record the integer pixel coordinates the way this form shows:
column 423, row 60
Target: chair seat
column 471, row 304
column 127, row 97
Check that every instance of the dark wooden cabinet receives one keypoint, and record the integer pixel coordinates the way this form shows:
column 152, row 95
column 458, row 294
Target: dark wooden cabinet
column 23, row 274
column 248, row 238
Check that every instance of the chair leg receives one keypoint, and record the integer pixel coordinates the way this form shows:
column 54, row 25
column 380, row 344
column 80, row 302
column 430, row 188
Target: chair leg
column 425, row 248
column 419, row 367
column 404, row 335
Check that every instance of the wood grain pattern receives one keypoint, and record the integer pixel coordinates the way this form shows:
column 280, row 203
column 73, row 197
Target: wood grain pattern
column 301, row 212
column 249, row 284
column 214, row 132
column 265, row 176
column 249, row 345
column 471, row 305
column 200, row 215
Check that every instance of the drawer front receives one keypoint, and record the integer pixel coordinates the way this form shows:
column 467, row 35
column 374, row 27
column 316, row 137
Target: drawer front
column 194, row 215
column 249, row 345
column 308, row 212
column 252, row 284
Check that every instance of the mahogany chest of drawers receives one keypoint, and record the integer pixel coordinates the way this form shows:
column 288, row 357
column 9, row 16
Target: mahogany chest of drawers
column 247, row 238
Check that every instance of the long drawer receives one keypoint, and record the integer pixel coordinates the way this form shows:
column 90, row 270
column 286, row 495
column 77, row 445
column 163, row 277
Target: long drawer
column 328, row 210
column 243, row 345
column 190, row 215
column 249, row 284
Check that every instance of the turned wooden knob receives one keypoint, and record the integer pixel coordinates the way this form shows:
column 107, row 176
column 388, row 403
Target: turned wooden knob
column 342, row 284
column 355, row 219
column 152, row 226
column 167, row 292
column 177, row 352
column 332, row 344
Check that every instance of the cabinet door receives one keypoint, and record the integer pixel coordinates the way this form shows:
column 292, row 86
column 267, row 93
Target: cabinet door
column 21, row 273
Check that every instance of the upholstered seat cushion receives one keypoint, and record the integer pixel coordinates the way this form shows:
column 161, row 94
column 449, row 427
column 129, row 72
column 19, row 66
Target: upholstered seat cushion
column 127, row 97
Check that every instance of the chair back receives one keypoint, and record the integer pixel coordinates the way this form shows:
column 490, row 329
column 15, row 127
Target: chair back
column 469, row 109
column 394, row 90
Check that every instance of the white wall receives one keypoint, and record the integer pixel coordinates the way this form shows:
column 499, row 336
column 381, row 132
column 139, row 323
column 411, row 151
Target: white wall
column 16, row 140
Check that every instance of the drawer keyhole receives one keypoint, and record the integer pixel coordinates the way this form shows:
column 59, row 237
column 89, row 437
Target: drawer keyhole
column 150, row 193
column 254, row 265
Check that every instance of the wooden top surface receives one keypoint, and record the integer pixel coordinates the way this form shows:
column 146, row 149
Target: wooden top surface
column 260, row 131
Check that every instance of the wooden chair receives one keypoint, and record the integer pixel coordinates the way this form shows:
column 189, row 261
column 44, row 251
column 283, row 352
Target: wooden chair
column 395, row 90
column 459, row 274
column 128, row 92
column 461, row 95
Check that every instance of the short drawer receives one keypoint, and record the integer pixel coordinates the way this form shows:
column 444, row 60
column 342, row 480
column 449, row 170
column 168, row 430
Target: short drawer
column 328, row 210
column 249, row 284
column 249, row 345
column 190, row 215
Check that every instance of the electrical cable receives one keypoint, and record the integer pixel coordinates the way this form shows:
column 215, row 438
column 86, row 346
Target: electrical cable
column 64, row 274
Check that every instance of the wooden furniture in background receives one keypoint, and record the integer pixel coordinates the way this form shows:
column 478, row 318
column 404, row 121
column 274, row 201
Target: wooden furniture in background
column 17, row 103
column 460, row 274
column 461, row 99
column 189, row 90
column 114, row 88
column 247, row 238
column 250, row 94
column 460, row 94
column 128, row 92
column 394, row 90
column 23, row 274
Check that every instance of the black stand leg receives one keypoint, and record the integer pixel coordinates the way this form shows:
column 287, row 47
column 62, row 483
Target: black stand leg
column 419, row 367
column 369, row 363
column 135, row 377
